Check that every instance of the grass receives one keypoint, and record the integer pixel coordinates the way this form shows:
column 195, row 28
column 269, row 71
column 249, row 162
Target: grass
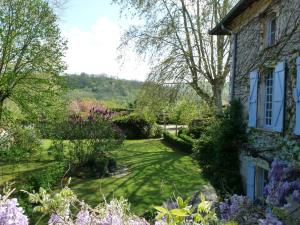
column 152, row 174
column 155, row 173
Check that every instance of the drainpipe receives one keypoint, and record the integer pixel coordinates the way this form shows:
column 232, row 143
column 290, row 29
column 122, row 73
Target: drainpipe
column 234, row 54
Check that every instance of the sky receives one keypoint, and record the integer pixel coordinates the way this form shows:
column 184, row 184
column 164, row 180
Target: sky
column 93, row 29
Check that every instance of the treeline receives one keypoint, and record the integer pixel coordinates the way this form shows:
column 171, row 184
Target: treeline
column 101, row 87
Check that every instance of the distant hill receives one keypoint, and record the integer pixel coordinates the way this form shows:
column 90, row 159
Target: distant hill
column 102, row 88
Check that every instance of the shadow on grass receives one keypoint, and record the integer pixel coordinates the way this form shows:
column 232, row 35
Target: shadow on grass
column 156, row 173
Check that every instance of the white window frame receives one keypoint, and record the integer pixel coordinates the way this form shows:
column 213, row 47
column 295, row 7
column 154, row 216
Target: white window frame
column 268, row 98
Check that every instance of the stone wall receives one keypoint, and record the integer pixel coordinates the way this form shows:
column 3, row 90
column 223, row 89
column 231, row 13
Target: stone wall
column 252, row 54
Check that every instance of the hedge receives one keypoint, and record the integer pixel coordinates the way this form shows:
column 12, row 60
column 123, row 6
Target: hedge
column 187, row 138
column 134, row 126
column 177, row 142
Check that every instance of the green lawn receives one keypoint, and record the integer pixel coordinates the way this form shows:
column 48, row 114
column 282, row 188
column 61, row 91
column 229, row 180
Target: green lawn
column 152, row 174
column 155, row 173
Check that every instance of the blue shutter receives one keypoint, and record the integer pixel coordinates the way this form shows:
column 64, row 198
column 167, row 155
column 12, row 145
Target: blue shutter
column 252, row 101
column 250, row 181
column 297, row 99
column 278, row 97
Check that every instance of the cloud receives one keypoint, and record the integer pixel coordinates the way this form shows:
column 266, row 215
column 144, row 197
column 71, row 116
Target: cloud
column 95, row 51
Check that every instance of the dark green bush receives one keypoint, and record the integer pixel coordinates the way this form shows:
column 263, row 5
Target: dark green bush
column 103, row 165
column 183, row 131
column 218, row 150
column 198, row 126
column 46, row 178
column 134, row 126
column 187, row 138
column 177, row 142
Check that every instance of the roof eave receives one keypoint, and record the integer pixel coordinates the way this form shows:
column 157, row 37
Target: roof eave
column 241, row 6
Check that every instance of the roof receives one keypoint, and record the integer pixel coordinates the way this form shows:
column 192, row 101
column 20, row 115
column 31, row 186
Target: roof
column 238, row 9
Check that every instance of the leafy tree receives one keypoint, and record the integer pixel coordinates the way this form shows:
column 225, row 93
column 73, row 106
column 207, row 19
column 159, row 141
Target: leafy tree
column 175, row 37
column 31, row 52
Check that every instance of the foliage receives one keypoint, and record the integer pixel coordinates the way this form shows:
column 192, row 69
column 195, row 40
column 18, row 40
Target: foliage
column 177, row 142
column 103, row 165
column 199, row 126
column 114, row 92
column 18, row 142
column 156, row 131
column 32, row 49
column 134, row 126
column 218, row 150
column 175, row 37
column 282, row 200
column 184, row 111
column 187, row 138
column 62, row 207
column 185, row 214
column 240, row 209
column 45, row 178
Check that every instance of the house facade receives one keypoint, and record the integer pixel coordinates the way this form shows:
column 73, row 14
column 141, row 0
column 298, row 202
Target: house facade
column 265, row 77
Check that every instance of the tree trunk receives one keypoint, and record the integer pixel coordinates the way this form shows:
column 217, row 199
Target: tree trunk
column 217, row 97
column 1, row 110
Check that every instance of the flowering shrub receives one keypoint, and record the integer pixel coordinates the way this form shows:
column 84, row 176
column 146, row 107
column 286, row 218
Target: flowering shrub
column 282, row 198
column 284, row 181
column 10, row 212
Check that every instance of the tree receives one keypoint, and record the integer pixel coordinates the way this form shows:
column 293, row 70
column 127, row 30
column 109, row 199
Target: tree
column 175, row 37
column 31, row 52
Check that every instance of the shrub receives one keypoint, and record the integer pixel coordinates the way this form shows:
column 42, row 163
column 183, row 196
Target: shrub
column 57, row 150
column 218, row 150
column 177, row 142
column 134, row 126
column 18, row 142
column 187, row 138
column 183, row 131
column 156, row 131
column 199, row 126
column 45, row 178
column 103, row 165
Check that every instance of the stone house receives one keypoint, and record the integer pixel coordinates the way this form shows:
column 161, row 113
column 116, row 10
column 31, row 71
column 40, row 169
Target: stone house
column 265, row 77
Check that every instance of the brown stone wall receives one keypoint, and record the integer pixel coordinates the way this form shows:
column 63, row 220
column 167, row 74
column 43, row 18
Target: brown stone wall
column 252, row 53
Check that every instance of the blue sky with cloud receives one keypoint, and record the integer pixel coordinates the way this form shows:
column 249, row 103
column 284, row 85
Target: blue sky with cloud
column 93, row 29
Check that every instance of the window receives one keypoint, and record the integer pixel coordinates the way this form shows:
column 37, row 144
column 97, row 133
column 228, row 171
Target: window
column 268, row 99
column 271, row 32
column 261, row 181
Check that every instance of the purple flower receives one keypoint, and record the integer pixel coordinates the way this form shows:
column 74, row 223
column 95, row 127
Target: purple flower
column 270, row 220
column 11, row 213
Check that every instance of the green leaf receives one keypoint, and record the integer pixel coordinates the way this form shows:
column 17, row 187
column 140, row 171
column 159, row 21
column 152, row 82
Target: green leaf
column 180, row 202
column 178, row 212
column 161, row 209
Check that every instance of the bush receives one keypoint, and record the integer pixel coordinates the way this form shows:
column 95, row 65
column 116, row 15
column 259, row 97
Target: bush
column 178, row 142
column 218, row 150
column 45, row 178
column 182, row 131
column 187, row 138
column 198, row 126
column 134, row 126
column 103, row 165
column 18, row 142
column 57, row 150
column 156, row 131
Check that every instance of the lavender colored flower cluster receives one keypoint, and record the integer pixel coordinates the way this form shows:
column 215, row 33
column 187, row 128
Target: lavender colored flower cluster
column 11, row 212
column 284, row 181
column 114, row 213
column 230, row 208
column 270, row 220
